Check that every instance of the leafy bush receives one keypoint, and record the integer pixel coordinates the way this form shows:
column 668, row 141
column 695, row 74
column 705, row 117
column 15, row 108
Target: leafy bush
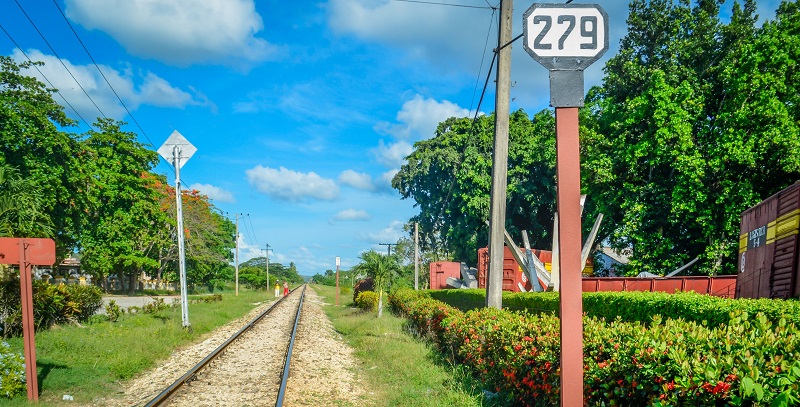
column 344, row 290
column 748, row 361
column 157, row 305
column 12, row 372
column 88, row 299
column 367, row 300
column 362, row 285
column 113, row 311
column 51, row 305
column 211, row 298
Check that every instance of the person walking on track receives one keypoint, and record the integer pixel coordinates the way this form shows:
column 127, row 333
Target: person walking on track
column 285, row 288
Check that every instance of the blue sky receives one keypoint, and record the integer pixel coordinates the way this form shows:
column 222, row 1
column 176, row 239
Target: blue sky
column 301, row 111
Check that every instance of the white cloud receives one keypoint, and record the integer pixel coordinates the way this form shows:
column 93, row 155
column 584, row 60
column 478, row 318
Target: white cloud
column 386, row 178
column 447, row 36
column 214, row 193
column 287, row 185
column 246, row 250
column 416, row 120
column 151, row 90
column 390, row 234
column 392, row 155
column 419, row 117
column 179, row 32
column 357, row 180
column 352, row 214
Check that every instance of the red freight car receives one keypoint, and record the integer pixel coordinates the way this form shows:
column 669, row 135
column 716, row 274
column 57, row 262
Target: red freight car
column 440, row 271
column 513, row 276
column 718, row 286
column 768, row 247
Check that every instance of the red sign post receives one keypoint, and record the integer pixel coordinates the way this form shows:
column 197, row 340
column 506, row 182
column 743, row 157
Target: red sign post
column 566, row 39
column 28, row 252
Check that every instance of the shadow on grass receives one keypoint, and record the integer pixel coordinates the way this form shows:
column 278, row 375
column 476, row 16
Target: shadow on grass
column 43, row 369
column 463, row 378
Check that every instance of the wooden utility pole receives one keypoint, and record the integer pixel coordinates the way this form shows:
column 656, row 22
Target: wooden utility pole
column 267, row 261
column 497, row 221
column 237, row 254
column 416, row 256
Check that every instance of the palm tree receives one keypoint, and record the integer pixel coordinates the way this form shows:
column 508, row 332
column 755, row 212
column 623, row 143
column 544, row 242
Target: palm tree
column 20, row 206
column 380, row 267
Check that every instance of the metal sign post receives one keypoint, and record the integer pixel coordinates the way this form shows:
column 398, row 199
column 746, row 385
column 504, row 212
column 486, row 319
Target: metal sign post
column 178, row 150
column 566, row 39
column 28, row 252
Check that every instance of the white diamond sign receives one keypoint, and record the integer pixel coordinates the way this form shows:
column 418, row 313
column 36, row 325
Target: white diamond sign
column 176, row 144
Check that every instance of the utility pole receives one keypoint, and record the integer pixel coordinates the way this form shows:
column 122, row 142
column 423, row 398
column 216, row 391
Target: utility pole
column 237, row 254
column 416, row 256
column 267, row 257
column 494, row 282
column 338, row 261
column 388, row 247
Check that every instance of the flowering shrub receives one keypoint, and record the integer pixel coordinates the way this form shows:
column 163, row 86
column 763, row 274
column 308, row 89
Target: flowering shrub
column 747, row 361
column 12, row 372
column 367, row 300
column 362, row 285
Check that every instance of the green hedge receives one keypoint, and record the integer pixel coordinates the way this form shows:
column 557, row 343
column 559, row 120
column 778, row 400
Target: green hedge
column 634, row 306
column 748, row 361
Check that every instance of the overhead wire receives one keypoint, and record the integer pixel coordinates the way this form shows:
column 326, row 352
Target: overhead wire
column 59, row 59
column 472, row 128
column 250, row 232
column 445, row 4
column 101, row 72
column 130, row 114
column 44, row 76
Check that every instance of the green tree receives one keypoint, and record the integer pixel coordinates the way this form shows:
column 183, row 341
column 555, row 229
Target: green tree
column 696, row 121
column 47, row 158
column 381, row 268
column 125, row 215
column 449, row 178
column 21, row 206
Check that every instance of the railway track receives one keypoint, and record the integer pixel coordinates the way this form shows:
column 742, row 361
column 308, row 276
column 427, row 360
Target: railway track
column 251, row 368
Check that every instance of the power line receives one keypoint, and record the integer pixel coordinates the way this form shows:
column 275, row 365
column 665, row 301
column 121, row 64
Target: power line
column 251, row 237
column 101, row 72
column 59, row 59
column 447, row 4
column 45, row 77
column 483, row 58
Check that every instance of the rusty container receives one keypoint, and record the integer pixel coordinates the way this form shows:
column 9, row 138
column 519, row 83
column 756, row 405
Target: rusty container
column 440, row 271
column 513, row 275
column 768, row 247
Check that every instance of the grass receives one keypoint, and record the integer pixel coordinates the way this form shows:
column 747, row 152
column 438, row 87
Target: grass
column 92, row 360
column 399, row 369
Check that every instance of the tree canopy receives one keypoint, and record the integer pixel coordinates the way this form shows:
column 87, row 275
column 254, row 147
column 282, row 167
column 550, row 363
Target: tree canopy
column 696, row 120
column 449, row 178
column 96, row 193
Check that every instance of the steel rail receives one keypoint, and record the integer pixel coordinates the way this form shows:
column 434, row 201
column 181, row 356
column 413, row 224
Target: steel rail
column 285, row 376
column 171, row 389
